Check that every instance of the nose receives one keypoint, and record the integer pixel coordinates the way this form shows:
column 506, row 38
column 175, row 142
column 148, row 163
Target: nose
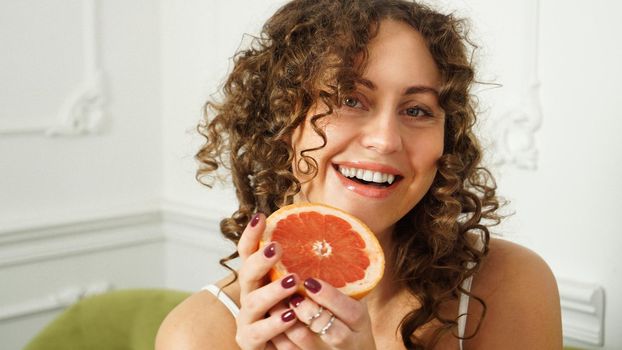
column 381, row 133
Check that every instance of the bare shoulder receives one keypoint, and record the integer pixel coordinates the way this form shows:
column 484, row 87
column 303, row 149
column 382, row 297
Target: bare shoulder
column 199, row 322
column 521, row 298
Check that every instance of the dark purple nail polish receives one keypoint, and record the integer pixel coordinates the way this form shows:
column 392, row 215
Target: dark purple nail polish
column 288, row 315
column 255, row 220
column 296, row 299
column 312, row 285
column 270, row 250
column 288, row 282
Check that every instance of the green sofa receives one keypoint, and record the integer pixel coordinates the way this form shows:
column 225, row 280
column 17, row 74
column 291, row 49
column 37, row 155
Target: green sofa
column 118, row 320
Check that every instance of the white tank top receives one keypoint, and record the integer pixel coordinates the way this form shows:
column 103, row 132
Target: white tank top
column 463, row 306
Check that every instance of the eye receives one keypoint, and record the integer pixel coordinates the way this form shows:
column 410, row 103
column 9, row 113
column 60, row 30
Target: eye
column 352, row 102
column 417, row 112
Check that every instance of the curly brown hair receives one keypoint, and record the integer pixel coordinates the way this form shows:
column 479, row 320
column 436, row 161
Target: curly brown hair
column 314, row 50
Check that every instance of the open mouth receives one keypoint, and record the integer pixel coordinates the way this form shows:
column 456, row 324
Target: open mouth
column 368, row 177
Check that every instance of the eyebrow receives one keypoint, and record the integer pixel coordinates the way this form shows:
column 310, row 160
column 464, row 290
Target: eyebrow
column 411, row 90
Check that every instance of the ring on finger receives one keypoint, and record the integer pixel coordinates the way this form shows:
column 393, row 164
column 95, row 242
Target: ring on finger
column 327, row 325
column 314, row 317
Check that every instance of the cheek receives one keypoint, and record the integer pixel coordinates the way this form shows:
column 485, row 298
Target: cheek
column 438, row 144
column 427, row 150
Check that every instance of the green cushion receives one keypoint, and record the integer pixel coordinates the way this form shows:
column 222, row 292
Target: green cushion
column 119, row 320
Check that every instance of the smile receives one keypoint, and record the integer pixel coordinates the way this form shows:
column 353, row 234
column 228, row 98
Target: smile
column 368, row 180
column 367, row 175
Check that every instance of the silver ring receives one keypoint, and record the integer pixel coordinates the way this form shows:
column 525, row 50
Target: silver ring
column 317, row 314
column 327, row 326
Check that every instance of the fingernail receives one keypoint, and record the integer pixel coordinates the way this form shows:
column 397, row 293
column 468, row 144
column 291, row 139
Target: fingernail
column 296, row 299
column 270, row 250
column 312, row 285
column 288, row 315
column 255, row 220
column 288, row 282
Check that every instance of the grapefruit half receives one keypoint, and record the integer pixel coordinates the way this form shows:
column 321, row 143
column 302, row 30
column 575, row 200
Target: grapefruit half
column 323, row 242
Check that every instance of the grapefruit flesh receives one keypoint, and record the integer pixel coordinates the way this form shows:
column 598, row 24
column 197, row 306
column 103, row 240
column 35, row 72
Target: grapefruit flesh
column 323, row 242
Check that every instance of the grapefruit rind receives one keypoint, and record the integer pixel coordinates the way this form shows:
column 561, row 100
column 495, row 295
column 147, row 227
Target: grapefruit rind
column 373, row 273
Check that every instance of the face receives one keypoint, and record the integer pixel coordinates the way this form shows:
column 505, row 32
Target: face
column 384, row 142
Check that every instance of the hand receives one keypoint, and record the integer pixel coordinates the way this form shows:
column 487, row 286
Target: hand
column 341, row 323
column 254, row 329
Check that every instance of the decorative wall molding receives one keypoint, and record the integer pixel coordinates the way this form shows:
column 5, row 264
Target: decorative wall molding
column 582, row 304
column 82, row 112
column 515, row 130
column 175, row 223
column 33, row 244
column 17, row 233
column 583, row 310
column 188, row 225
column 52, row 302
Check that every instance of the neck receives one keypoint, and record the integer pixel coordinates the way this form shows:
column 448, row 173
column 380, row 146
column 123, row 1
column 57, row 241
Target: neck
column 387, row 288
column 388, row 302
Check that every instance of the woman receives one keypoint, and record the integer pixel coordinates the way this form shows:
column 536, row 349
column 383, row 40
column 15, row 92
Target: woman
column 380, row 86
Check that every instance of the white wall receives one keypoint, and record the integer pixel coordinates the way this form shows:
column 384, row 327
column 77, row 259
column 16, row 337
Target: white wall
column 54, row 179
column 122, row 206
column 76, row 212
column 566, row 206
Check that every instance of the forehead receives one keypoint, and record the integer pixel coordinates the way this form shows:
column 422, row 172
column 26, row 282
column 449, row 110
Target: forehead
column 400, row 51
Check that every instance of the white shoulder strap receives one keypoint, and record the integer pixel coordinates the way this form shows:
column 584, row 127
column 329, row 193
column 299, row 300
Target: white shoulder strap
column 224, row 298
column 463, row 307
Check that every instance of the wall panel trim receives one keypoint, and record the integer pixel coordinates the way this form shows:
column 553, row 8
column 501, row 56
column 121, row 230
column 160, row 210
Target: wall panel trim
column 28, row 245
column 82, row 111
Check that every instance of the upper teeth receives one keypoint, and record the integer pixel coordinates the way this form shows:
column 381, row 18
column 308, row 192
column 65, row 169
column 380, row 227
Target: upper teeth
column 367, row 175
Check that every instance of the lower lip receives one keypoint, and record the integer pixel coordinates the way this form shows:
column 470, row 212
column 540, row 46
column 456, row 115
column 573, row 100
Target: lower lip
column 365, row 190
